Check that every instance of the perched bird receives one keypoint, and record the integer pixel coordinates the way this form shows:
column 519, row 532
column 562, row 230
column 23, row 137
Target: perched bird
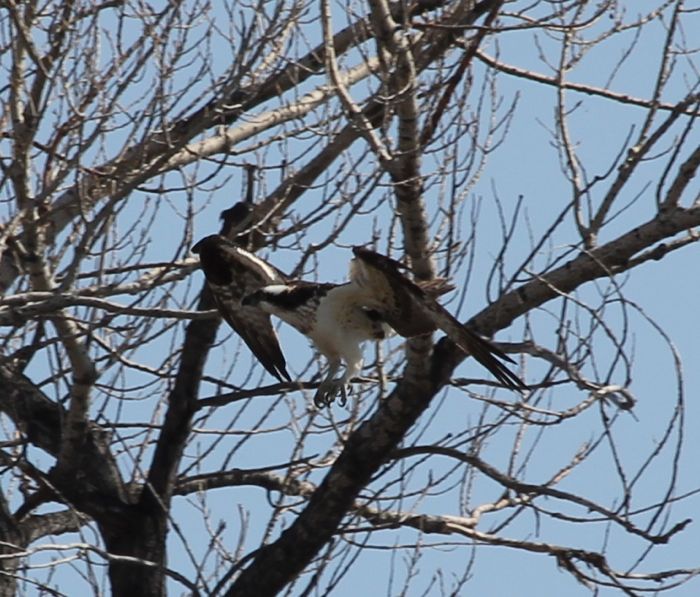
column 376, row 301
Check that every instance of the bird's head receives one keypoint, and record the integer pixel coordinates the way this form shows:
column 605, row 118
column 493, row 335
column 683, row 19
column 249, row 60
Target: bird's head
column 211, row 251
column 204, row 243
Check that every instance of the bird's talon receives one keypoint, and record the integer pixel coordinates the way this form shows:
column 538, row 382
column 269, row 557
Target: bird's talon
column 320, row 399
column 326, row 393
column 343, row 400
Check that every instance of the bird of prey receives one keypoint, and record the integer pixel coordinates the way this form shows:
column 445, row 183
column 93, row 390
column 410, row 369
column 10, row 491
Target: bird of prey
column 376, row 301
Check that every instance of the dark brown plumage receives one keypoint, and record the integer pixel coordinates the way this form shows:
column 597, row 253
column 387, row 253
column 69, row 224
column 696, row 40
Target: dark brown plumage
column 232, row 274
column 338, row 318
column 411, row 311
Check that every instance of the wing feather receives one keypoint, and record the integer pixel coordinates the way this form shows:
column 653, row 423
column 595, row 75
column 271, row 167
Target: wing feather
column 233, row 273
column 411, row 311
column 389, row 292
column 481, row 349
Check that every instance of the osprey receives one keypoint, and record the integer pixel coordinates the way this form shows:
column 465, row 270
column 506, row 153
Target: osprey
column 337, row 318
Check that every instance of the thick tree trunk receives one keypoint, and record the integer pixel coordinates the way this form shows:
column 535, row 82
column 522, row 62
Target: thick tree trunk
column 140, row 533
column 11, row 540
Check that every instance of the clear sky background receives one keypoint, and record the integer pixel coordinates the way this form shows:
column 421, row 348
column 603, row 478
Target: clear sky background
column 527, row 167
column 668, row 292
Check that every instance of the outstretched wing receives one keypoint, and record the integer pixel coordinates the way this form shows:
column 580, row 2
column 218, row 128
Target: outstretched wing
column 232, row 274
column 411, row 311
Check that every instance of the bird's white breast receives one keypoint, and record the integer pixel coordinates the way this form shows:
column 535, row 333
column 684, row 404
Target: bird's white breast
column 341, row 325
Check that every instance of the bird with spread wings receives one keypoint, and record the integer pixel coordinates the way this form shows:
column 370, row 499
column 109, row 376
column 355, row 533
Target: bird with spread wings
column 376, row 301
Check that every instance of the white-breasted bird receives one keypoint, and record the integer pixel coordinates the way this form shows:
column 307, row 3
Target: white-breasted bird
column 338, row 318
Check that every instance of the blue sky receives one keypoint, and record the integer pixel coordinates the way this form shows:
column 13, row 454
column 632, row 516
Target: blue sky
column 528, row 166
column 525, row 166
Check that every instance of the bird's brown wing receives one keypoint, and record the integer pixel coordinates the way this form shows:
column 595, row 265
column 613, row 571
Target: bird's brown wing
column 435, row 287
column 233, row 273
column 411, row 311
column 390, row 293
column 253, row 325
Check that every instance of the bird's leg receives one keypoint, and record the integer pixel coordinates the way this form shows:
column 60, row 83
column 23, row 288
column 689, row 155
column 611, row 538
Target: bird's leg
column 343, row 393
column 352, row 368
column 329, row 387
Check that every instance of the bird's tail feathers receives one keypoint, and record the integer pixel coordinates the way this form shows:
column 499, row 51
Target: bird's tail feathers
column 481, row 349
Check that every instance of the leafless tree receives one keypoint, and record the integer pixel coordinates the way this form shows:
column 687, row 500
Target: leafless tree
column 535, row 153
